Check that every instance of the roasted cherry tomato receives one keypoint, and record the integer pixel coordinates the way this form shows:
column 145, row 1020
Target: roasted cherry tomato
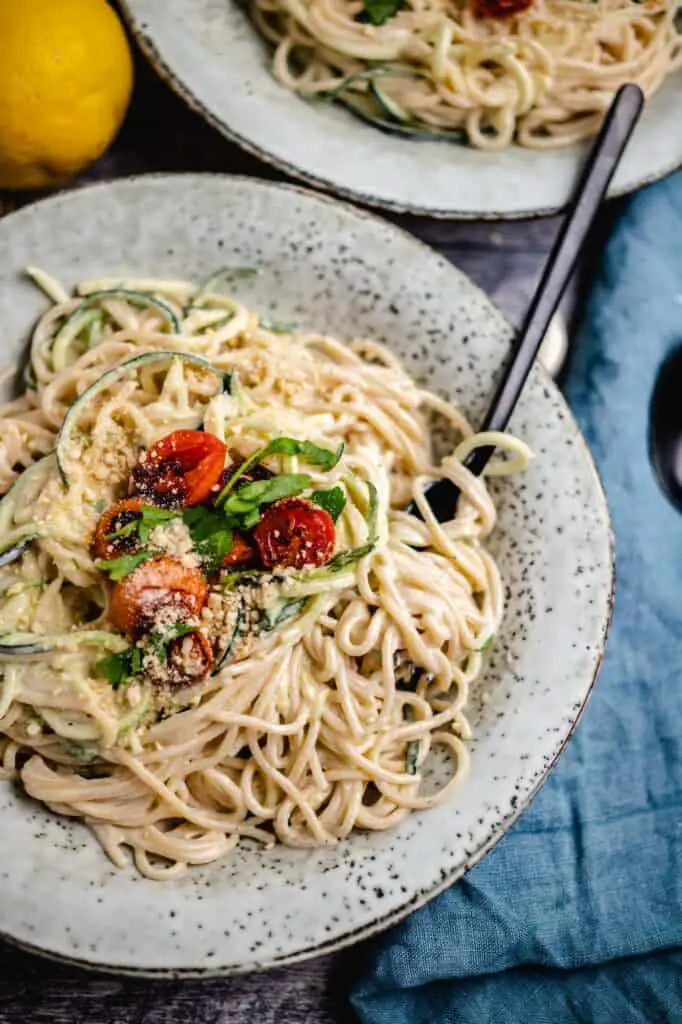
column 294, row 533
column 241, row 553
column 190, row 659
column 500, row 8
column 113, row 519
column 181, row 469
column 157, row 580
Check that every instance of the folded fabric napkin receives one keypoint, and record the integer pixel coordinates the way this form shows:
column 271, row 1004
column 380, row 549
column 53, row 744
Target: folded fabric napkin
column 577, row 914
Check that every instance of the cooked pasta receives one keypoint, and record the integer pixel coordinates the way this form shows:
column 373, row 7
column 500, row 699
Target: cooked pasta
column 542, row 72
column 217, row 620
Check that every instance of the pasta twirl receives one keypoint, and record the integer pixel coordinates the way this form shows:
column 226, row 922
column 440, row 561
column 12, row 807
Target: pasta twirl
column 322, row 721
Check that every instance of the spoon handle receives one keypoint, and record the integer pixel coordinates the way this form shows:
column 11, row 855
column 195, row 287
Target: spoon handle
column 596, row 177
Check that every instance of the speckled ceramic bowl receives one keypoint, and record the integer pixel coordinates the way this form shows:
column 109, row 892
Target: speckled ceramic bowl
column 210, row 53
column 328, row 266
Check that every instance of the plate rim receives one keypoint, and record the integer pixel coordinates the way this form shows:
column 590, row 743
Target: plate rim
column 420, row 899
column 182, row 89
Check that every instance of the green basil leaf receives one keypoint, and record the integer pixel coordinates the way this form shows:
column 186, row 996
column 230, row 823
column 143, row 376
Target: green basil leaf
column 325, row 458
column 119, row 568
column 213, row 549
column 377, row 12
column 202, row 523
column 264, row 492
column 250, row 519
column 332, row 501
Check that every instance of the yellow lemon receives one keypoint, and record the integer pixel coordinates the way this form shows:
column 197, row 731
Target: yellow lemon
column 66, row 76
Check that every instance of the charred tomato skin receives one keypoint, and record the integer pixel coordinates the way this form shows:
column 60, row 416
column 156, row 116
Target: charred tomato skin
column 111, row 520
column 158, row 579
column 181, row 469
column 182, row 673
column 294, row 533
column 242, row 553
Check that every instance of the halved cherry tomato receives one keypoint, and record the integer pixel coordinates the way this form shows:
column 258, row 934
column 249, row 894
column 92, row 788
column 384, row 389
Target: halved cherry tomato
column 500, row 8
column 241, row 552
column 190, row 659
column 157, row 580
column 294, row 533
column 181, row 469
column 113, row 519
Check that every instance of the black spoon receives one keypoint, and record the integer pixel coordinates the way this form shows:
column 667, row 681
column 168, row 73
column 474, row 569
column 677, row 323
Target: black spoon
column 620, row 121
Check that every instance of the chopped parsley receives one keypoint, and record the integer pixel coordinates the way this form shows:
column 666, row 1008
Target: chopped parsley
column 119, row 568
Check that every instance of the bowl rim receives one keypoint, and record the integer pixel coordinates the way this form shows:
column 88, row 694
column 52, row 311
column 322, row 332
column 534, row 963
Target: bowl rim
column 182, row 89
column 418, row 900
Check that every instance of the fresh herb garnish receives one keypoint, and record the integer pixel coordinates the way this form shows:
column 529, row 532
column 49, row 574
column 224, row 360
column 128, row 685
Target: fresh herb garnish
column 377, row 12
column 264, row 492
column 211, row 535
column 116, row 668
column 202, row 522
column 212, row 551
column 487, row 645
column 118, row 568
column 312, row 453
column 332, row 501
column 161, row 641
column 149, row 518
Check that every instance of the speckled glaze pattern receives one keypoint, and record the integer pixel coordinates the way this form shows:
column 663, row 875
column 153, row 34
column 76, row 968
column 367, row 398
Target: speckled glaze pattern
column 327, row 266
column 210, row 53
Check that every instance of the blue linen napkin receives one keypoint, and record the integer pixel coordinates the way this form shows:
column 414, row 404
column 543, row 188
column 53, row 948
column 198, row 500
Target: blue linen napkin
column 577, row 914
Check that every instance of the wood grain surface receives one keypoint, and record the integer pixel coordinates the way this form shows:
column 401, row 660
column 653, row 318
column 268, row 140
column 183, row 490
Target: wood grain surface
column 160, row 134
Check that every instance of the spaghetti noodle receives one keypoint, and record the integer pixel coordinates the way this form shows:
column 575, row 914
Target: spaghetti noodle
column 347, row 671
column 436, row 68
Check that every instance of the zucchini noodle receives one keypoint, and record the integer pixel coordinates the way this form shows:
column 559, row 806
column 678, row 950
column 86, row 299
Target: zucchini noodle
column 435, row 68
column 326, row 722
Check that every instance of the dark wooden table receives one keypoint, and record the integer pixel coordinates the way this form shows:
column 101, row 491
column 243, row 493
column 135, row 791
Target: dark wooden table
column 505, row 259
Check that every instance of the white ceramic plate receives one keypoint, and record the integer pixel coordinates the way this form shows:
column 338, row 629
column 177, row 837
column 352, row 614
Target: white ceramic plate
column 324, row 265
column 209, row 52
